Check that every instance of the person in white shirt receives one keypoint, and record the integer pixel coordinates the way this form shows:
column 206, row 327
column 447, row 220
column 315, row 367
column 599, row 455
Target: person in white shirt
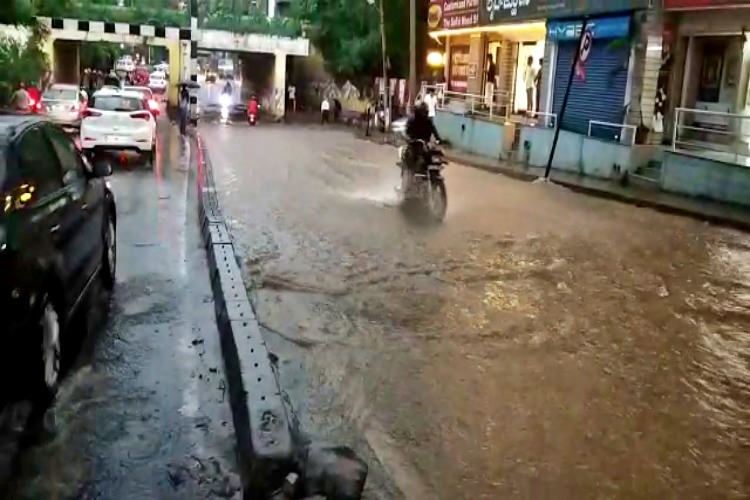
column 529, row 78
column 325, row 110
column 431, row 101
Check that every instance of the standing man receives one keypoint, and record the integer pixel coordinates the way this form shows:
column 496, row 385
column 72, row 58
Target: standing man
column 538, row 83
column 489, row 86
column 529, row 78
column 292, row 92
column 431, row 101
column 325, row 110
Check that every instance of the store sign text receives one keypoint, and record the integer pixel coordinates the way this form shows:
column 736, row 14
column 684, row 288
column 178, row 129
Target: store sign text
column 460, row 14
column 610, row 27
column 509, row 6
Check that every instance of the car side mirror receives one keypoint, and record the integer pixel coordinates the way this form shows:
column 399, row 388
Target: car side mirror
column 101, row 167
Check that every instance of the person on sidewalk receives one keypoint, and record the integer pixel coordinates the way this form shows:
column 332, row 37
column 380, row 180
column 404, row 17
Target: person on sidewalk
column 529, row 78
column 430, row 101
column 20, row 99
column 538, row 83
column 489, row 87
column 184, row 109
column 325, row 111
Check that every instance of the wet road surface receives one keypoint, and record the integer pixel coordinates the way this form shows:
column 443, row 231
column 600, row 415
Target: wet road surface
column 539, row 344
column 143, row 414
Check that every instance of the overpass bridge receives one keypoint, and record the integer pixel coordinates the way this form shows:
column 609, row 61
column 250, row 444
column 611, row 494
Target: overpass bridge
column 66, row 36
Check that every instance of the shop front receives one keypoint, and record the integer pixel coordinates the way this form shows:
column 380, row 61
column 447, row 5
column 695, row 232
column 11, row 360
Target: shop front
column 707, row 118
column 599, row 93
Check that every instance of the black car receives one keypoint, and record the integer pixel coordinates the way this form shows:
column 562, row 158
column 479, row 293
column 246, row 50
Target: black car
column 57, row 237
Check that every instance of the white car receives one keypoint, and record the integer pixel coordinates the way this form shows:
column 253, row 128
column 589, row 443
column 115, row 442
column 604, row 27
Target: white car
column 157, row 81
column 148, row 94
column 163, row 67
column 120, row 120
column 64, row 104
column 125, row 63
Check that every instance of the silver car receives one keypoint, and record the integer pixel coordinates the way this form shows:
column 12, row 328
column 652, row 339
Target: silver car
column 64, row 104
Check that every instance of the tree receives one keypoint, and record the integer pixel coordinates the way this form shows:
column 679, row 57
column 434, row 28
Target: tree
column 347, row 34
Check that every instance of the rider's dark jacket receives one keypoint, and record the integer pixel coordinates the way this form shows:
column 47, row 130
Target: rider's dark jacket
column 420, row 127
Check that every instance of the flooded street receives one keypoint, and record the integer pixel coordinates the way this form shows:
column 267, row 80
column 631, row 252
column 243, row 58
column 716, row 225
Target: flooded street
column 538, row 344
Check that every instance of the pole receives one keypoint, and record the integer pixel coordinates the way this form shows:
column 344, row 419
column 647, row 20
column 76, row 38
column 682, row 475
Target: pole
column 412, row 52
column 565, row 101
column 387, row 98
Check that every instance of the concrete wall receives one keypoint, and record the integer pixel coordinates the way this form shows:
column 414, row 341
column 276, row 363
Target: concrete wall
column 696, row 176
column 224, row 40
column 538, row 142
column 472, row 135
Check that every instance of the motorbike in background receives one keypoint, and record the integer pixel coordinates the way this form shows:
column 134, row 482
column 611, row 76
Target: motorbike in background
column 422, row 181
column 252, row 117
column 225, row 101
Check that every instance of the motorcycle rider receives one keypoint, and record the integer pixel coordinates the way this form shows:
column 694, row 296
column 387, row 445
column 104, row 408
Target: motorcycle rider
column 252, row 107
column 419, row 126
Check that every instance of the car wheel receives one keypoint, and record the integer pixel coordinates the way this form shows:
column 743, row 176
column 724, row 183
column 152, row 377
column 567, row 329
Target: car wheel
column 109, row 257
column 150, row 156
column 49, row 363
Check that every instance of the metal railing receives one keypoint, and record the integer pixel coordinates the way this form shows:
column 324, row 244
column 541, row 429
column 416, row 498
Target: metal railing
column 499, row 108
column 625, row 136
column 719, row 135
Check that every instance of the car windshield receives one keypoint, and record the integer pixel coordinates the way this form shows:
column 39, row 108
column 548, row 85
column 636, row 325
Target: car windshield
column 116, row 103
column 60, row 94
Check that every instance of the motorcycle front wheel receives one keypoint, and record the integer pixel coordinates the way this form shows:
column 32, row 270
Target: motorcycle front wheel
column 437, row 205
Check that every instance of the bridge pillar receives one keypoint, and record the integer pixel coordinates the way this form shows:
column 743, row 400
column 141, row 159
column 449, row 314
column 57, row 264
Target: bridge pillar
column 279, row 83
column 66, row 61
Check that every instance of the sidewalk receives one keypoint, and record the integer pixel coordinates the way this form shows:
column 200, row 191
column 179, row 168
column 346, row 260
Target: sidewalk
column 735, row 216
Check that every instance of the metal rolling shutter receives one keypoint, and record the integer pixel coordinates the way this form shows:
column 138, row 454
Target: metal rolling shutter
column 601, row 97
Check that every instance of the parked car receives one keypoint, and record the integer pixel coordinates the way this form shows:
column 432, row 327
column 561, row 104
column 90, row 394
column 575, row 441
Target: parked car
column 157, row 81
column 64, row 104
column 119, row 120
column 57, row 238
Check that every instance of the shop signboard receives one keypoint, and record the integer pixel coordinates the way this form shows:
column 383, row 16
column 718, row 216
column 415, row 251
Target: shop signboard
column 502, row 11
column 605, row 27
column 703, row 4
column 453, row 14
column 458, row 70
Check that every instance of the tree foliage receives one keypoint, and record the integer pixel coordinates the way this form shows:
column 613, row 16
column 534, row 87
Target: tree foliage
column 22, row 60
column 347, row 33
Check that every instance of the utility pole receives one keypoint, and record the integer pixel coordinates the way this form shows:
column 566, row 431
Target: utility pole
column 387, row 96
column 412, row 52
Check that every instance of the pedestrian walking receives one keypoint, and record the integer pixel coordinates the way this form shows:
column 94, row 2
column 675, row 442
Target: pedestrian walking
column 431, row 101
column 184, row 108
column 325, row 110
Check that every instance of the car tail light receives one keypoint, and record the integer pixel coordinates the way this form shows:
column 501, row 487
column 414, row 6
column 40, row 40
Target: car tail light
column 153, row 105
column 141, row 115
column 91, row 112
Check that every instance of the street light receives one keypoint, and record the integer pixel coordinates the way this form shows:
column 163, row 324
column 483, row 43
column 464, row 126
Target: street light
column 435, row 59
column 387, row 97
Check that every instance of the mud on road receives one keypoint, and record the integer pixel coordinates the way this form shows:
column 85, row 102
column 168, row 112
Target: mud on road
column 540, row 343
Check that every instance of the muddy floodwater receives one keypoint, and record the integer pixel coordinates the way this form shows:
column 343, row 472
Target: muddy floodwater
column 538, row 344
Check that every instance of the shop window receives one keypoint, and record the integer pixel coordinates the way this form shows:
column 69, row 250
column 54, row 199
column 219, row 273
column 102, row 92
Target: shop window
column 712, row 65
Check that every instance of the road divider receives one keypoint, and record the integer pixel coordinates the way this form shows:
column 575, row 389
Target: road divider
column 275, row 458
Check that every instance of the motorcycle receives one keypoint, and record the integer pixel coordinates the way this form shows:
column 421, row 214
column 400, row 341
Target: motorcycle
column 252, row 118
column 422, row 181
column 225, row 101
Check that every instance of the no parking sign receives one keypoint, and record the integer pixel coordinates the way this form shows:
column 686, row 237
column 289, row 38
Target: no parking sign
column 584, row 51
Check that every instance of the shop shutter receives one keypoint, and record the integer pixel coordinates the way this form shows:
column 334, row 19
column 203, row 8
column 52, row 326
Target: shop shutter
column 601, row 97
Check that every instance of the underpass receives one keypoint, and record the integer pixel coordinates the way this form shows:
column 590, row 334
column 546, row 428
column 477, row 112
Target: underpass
column 537, row 344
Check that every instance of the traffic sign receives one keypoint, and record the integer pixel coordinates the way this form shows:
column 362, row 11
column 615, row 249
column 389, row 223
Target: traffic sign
column 584, row 51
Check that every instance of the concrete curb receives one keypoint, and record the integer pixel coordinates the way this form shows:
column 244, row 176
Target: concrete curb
column 269, row 444
column 261, row 423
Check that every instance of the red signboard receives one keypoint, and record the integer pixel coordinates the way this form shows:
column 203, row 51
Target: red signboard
column 458, row 69
column 704, row 4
